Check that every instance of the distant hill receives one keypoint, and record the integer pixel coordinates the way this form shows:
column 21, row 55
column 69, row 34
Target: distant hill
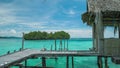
column 10, row 37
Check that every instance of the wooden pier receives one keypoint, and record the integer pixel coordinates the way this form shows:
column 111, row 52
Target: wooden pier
column 100, row 13
column 17, row 57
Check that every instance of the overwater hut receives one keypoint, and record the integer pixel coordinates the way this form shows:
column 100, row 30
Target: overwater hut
column 102, row 13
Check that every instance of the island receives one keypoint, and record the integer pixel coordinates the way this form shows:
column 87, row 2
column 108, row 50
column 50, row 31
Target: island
column 38, row 35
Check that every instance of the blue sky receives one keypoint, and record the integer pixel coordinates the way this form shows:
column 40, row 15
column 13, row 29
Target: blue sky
column 17, row 16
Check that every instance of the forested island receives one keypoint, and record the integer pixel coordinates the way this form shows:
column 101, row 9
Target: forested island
column 38, row 35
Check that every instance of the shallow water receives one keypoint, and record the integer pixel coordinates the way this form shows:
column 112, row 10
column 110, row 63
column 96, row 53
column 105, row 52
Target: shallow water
column 74, row 44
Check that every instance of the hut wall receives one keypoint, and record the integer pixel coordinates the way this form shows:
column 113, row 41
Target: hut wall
column 112, row 47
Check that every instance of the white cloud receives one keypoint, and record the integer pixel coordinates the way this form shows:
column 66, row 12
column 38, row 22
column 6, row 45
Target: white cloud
column 71, row 12
column 80, row 33
column 13, row 31
column 76, row 33
column 34, row 24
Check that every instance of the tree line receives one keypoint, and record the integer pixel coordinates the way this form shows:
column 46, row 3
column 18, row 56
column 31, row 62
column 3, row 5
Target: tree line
column 38, row 35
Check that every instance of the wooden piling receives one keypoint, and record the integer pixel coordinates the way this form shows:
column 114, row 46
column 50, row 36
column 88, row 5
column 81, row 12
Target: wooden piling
column 99, row 62
column 51, row 48
column 67, row 62
column 43, row 62
column 106, row 62
column 20, row 49
column 21, row 67
column 119, row 30
column 64, row 44
column 23, row 41
column 55, row 45
column 67, row 44
column 8, row 52
column 7, row 67
column 72, row 62
column 26, row 63
column 14, row 50
column 61, row 44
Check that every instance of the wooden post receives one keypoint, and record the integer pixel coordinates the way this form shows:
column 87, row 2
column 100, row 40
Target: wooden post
column 8, row 52
column 100, row 31
column 67, row 44
column 119, row 30
column 20, row 49
column 43, row 62
column 26, row 63
column 106, row 64
column 56, row 59
column 95, row 48
column 99, row 62
column 21, row 67
column 51, row 48
column 64, row 44
column 61, row 44
column 55, row 45
column 23, row 41
column 67, row 62
column 72, row 62
column 7, row 67
column 14, row 50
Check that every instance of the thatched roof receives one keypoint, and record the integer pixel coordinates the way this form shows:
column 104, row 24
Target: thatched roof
column 111, row 18
column 110, row 10
column 103, row 5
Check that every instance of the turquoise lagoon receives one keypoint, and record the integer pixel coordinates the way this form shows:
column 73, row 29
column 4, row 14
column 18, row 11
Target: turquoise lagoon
column 74, row 44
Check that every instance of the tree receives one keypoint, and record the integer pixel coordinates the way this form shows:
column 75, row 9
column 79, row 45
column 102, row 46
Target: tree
column 37, row 35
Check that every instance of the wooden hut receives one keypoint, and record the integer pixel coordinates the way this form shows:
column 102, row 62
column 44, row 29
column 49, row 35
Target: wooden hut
column 102, row 13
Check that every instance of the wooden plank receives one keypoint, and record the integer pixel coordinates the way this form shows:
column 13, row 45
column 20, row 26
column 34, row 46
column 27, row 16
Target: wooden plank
column 23, row 55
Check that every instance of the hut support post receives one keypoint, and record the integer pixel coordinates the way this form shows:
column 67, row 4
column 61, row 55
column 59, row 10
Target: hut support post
column 43, row 62
column 25, row 63
column 100, row 31
column 99, row 62
column 95, row 48
column 7, row 67
column 67, row 62
column 119, row 30
column 72, row 62
column 106, row 63
column 20, row 66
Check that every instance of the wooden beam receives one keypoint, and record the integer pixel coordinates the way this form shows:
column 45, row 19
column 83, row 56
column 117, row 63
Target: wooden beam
column 26, row 63
column 64, row 44
column 23, row 41
column 106, row 62
column 43, row 62
column 67, row 62
column 119, row 30
column 99, row 62
column 72, row 62
column 55, row 45
column 67, row 44
column 100, row 31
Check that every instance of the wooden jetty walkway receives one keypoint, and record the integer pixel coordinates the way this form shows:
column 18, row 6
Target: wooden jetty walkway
column 19, row 56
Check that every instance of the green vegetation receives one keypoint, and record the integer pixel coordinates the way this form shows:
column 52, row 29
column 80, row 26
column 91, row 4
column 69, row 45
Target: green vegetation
column 37, row 35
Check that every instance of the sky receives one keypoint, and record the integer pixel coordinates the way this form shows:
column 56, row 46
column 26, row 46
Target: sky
column 17, row 16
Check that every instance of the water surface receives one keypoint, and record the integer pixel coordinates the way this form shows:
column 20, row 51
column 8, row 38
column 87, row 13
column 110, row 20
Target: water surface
column 74, row 44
